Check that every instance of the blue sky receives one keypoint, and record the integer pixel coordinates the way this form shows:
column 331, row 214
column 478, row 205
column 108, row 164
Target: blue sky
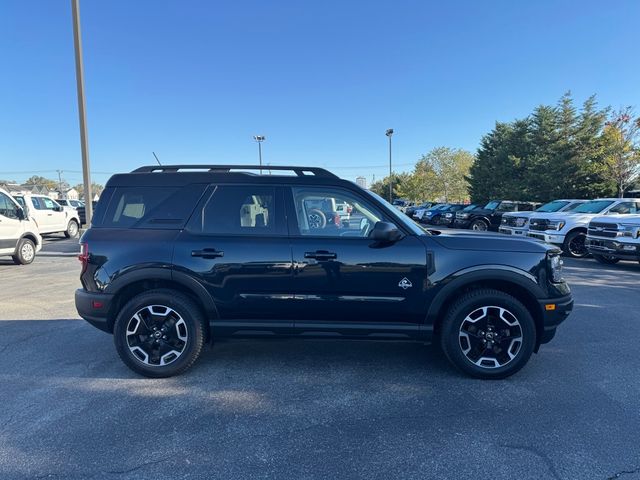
column 195, row 80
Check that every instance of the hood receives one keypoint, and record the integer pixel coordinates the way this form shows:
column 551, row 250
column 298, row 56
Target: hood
column 526, row 214
column 633, row 219
column 567, row 216
column 469, row 240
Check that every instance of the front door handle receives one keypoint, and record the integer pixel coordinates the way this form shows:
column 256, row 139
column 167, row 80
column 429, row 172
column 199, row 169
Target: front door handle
column 321, row 255
column 207, row 253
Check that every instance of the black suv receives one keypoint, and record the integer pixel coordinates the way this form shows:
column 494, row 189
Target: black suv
column 178, row 256
column 489, row 217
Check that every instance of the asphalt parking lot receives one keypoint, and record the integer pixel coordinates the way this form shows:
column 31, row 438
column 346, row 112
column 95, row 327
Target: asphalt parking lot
column 314, row 409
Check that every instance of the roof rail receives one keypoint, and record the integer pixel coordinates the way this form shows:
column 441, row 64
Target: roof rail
column 299, row 171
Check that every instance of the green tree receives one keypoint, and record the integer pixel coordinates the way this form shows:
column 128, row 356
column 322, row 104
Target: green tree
column 444, row 172
column 96, row 189
column 38, row 180
column 622, row 149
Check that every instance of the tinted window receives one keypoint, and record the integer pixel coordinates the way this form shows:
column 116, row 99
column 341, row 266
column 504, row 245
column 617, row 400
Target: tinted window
column 316, row 213
column 239, row 210
column 506, row 207
column 149, row 207
column 7, row 207
column 468, row 208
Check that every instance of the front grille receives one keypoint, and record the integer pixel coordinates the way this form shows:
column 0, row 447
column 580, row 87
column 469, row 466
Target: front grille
column 539, row 224
column 606, row 230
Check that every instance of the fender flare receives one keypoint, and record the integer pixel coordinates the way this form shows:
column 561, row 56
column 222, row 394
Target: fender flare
column 479, row 274
column 169, row 275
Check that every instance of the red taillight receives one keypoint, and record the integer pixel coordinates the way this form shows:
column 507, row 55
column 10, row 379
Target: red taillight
column 349, row 210
column 84, row 255
column 337, row 220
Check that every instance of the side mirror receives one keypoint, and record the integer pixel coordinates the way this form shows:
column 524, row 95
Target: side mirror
column 58, row 208
column 385, row 232
column 22, row 215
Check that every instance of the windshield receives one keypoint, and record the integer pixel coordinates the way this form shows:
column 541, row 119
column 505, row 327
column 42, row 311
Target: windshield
column 595, row 206
column 492, row 205
column 399, row 202
column 468, row 208
column 552, row 206
column 410, row 224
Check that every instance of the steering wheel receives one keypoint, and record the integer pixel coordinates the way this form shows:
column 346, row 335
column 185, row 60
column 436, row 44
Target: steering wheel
column 316, row 218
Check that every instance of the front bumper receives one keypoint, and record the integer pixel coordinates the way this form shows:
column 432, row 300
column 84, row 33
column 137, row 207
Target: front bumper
column 613, row 248
column 554, row 312
column 94, row 308
column 549, row 236
column 522, row 232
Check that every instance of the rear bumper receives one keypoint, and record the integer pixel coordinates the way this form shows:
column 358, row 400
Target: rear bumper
column 613, row 248
column 554, row 312
column 94, row 308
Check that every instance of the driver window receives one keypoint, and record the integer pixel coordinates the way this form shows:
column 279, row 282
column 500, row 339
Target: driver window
column 8, row 209
column 333, row 212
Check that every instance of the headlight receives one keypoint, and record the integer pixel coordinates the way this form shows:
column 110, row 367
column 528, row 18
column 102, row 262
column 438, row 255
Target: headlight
column 555, row 267
column 463, row 215
column 629, row 230
column 448, row 215
column 556, row 224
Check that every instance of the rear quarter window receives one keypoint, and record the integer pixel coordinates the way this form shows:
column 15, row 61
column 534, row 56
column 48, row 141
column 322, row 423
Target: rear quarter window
column 147, row 207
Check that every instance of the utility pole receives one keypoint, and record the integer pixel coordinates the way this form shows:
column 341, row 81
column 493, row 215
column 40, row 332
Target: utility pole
column 388, row 133
column 84, row 140
column 59, row 181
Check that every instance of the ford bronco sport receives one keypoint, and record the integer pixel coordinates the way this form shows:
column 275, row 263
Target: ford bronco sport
column 178, row 256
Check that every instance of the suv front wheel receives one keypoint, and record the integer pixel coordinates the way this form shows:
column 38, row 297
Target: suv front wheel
column 159, row 333
column 488, row 334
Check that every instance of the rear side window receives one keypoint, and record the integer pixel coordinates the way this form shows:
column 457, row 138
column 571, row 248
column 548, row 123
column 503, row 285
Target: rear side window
column 239, row 210
column 149, row 207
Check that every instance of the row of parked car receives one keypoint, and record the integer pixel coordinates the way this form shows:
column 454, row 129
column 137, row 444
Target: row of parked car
column 606, row 228
column 25, row 218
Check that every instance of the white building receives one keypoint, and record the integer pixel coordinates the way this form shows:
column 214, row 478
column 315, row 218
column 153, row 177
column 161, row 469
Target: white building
column 361, row 182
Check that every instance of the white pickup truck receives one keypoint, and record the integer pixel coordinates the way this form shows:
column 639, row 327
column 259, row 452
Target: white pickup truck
column 614, row 238
column 569, row 229
column 517, row 223
column 19, row 237
column 50, row 216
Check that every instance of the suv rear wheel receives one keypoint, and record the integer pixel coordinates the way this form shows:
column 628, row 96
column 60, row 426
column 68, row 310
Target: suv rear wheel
column 488, row 334
column 159, row 333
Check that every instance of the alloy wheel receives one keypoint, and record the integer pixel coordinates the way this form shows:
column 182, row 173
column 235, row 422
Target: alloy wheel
column 156, row 335
column 490, row 337
column 577, row 247
column 27, row 252
column 479, row 226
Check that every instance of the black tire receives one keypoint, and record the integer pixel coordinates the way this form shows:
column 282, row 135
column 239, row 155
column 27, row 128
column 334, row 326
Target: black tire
column 72, row 229
column 461, row 352
column 574, row 245
column 479, row 225
column 193, row 328
column 25, row 252
column 605, row 259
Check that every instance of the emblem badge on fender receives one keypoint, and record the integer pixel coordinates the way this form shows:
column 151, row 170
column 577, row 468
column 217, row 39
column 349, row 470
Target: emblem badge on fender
column 405, row 283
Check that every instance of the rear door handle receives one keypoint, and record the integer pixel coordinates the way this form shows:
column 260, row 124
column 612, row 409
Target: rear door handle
column 321, row 255
column 207, row 253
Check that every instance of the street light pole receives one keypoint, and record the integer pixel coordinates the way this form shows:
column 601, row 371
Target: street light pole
column 84, row 140
column 388, row 133
column 259, row 139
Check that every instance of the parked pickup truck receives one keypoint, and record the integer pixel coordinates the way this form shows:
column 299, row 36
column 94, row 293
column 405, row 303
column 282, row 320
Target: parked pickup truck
column 569, row 229
column 489, row 217
column 49, row 215
column 614, row 238
column 517, row 223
